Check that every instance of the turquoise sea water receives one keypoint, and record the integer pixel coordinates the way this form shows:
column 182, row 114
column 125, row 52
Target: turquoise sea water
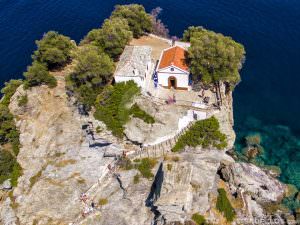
column 266, row 102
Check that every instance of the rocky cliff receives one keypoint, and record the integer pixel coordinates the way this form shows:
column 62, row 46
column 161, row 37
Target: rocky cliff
column 71, row 175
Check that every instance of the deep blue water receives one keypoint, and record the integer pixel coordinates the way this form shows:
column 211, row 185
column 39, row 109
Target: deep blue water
column 267, row 101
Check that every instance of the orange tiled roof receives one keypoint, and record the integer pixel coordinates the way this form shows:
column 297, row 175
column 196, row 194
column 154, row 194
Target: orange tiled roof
column 174, row 56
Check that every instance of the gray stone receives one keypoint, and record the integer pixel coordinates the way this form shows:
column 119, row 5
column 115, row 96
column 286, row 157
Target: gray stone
column 6, row 185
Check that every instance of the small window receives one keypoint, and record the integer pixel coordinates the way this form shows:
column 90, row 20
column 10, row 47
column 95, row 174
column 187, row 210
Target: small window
column 172, row 69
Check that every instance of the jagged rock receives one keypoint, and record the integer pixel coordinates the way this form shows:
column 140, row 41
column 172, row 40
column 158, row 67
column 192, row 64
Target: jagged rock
column 188, row 184
column 7, row 214
column 58, row 164
column 6, row 185
column 253, row 180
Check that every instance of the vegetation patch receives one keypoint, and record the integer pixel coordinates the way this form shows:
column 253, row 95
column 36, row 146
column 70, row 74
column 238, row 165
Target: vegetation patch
column 169, row 166
column 35, row 178
column 137, row 112
column 125, row 164
column 64, row 163
column 53, row 50
column 38, row 74
column 213, row 57
column 23, row 100
column 9, row 136
column 145, row 165
column 136, row 179
column 204, row 133
column 112, row 106
column 93, row 70
column 198, row 219
column 224, row 205
column 102, row 201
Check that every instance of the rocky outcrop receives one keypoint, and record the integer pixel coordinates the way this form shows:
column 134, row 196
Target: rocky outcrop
column 57, row 158
column 63, row 156
column 251, row 179
column 189, row 184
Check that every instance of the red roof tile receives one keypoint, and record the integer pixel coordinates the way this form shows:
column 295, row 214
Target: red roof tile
column 174, row 56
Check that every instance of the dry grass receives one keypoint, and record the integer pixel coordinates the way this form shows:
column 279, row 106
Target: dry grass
column 64, row 163
column 156, row 44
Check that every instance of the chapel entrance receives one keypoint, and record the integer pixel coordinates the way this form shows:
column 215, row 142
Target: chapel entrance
column 172, row 82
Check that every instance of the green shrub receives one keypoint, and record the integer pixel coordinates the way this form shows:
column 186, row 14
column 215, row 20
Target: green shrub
column 9, row 90
column 98, row 130
column 102, row 201
column 113, row 36
column 213, row 57
column 136, row 111
column 198, row 219
column 9, row 136
column 7, row 162
column 145, row 166
column 38, row 74
column 169, row 167
column 224, row 205
column 204, row 133
column 138, row 20
column 35, row 178
column 111, row 106
column 92, row 72
column 16, row 173
column 136, row 179
column 125, row 164
column 53, row 50
column 23, row 100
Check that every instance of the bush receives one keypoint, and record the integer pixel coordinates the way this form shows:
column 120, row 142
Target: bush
column 23, row 100
column 7, row 162
column 136, row 179
column 198, row 219
column 145, row 165
column 125, row 164
column 213, row 57
column 9, row 90
column 136, row 111
column 138, row 20
column 204, row 133
column 8, row 130
column 102, row 201
column 169, row 167
column 9, row 135
column 114, row 35
column 111, row 106
column 224, row 205
column 92, row 72
column 38, row 74
column 54, row 50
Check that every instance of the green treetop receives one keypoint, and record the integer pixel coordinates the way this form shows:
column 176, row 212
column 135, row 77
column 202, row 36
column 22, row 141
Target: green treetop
column 93, row 70
column 114, row 35
column 213, row 57
column 189, row 32
column 54, row 50
column 138, row 20
column 37, row 74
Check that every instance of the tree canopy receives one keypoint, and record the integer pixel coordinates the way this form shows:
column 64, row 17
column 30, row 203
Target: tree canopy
column 213, row 57
column 189, row 32
column 138, row 20
column 114, row 35
column 38, row 74
column 54, row 50
column 205, row 133
column 93, row 70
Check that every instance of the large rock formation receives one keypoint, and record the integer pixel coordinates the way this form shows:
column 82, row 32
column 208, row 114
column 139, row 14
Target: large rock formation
column 63, row 157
